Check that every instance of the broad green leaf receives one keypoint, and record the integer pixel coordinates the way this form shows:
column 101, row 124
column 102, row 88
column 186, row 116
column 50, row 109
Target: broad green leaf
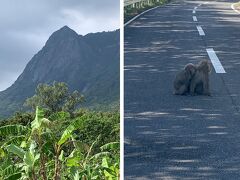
column 74, row 158
column 39, row 121
column 109, row 172
column 99, row 155
column 29, row 159
column 74, row 161
column 14, row 176
column 66, row 134
column 111, row 146
column 16, row 150
column 68, row 131
column 8, row 171
column 10, row 130
column 104, row 162
column 17, row 140
column 4, row 164
column 39, row 115
column 32, row 147
column 36, row 157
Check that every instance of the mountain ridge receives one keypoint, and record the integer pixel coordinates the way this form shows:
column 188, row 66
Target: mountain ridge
column 89, row 64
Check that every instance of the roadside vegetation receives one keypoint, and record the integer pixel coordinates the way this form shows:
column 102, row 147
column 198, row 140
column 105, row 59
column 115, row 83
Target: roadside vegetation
column 132, row 10
column 59, row 140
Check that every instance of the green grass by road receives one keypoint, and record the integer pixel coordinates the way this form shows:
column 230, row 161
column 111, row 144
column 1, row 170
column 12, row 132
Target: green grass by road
column 130, row 12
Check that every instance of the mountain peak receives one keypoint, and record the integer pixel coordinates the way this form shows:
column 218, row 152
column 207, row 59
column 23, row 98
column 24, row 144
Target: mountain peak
column 66, row 29
column 64, row 33
column 83, row 62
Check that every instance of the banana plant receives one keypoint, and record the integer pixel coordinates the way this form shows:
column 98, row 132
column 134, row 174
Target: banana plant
column 9, row 171
column 48, row 150
column 11, row 134
column 29, row 158
column 111, row 163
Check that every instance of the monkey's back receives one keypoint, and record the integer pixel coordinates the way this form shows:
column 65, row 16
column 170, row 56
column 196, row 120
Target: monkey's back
column 182, row 78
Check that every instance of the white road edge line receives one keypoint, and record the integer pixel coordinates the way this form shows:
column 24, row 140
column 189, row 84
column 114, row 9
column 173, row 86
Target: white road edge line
column 232, row 6
column 215, row 61
column 200, row 31
column 194, row 18
column 193, row 11
column 131, row 20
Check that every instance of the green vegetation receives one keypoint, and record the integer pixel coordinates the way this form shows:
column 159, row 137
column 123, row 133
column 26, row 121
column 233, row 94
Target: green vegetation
column 55, row 97
column 135, row 9
column 57, row 142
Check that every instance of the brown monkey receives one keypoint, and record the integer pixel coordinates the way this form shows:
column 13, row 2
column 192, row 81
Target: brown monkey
column 183, row 78
column 200, row 81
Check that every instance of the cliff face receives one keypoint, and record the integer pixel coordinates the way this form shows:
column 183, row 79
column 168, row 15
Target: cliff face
column 89, row 64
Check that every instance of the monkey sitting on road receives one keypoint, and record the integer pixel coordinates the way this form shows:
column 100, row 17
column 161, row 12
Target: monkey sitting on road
column 200, row 81
column 183, row 79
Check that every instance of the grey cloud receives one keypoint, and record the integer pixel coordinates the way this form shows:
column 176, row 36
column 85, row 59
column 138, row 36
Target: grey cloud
column 26, row 25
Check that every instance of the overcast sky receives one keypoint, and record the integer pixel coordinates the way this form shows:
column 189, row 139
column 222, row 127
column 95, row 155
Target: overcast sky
column 25, row 26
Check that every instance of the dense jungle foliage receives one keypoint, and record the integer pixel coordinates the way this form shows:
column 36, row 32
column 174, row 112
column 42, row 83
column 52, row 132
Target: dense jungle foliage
column 59, row 140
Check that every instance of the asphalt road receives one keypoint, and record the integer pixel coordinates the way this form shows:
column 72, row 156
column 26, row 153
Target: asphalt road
column 182, row 137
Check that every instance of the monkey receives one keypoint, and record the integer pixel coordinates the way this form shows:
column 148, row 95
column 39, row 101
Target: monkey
column 199, row 84
column 183, row 78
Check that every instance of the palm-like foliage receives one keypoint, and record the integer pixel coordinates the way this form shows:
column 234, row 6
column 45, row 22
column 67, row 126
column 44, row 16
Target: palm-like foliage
column 53, row 149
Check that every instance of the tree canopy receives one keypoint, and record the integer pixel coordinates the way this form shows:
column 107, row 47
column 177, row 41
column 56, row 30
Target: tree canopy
column 55, row 97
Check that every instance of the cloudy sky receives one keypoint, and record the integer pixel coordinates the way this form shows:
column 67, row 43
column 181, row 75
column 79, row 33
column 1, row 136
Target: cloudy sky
column 26, row 25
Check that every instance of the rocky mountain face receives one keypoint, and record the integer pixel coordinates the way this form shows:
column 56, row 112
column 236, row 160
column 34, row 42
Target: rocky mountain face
column 89, row 64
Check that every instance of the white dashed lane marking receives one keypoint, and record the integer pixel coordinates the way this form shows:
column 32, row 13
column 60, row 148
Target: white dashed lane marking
column 200, row 31
column 210, row 51
column 215, row 61
column 194, row 18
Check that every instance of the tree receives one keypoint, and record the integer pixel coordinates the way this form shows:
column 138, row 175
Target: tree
column 72, row 101
column 55, row 98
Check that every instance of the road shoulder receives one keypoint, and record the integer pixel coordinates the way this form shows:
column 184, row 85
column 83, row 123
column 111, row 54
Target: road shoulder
column 236, row 7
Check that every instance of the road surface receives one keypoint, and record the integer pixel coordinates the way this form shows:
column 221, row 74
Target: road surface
column 182, row 137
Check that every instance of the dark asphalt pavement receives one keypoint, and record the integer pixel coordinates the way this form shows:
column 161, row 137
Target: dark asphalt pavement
column 182, row 137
